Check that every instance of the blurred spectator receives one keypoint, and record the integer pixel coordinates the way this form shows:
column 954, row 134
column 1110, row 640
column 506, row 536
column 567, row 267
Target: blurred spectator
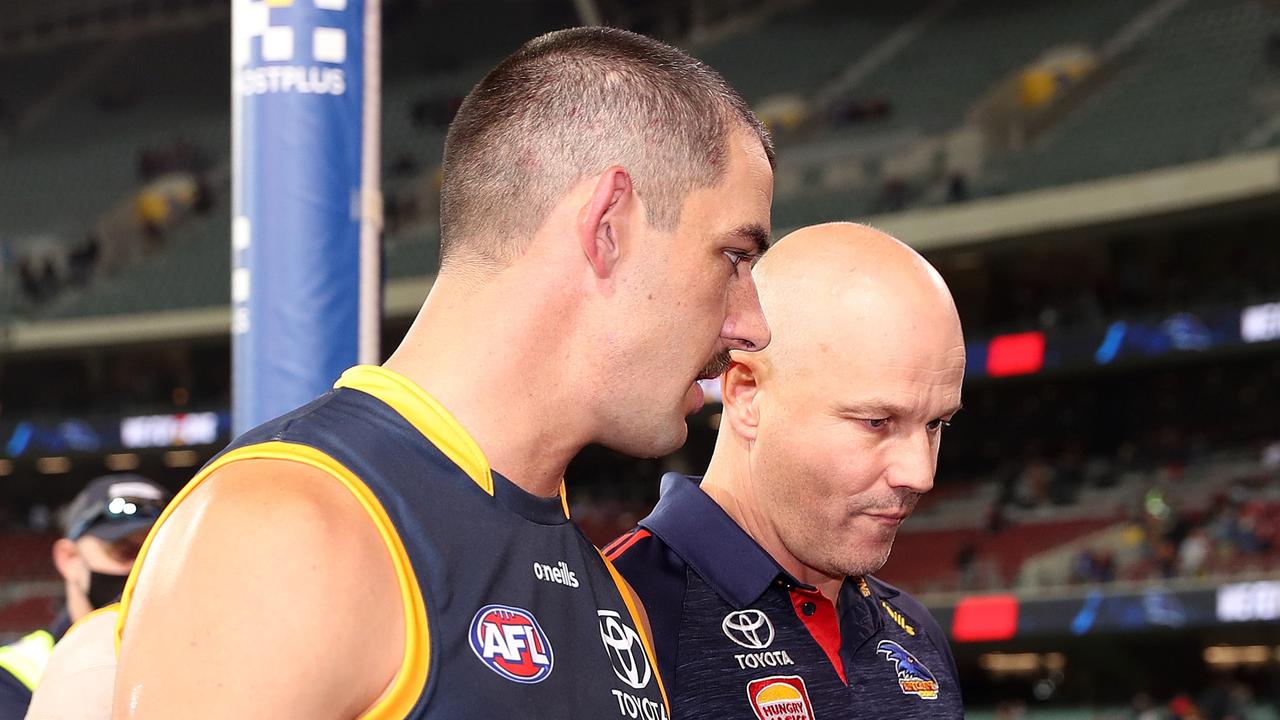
column 1033, row 483
column 1225, row 699
column 1182, row 708
column 1195, row 552
column 103, row 531
column 1143, row 708
column 1094, row 566
column 849, row 111
column 1271, row 457
column 82, row 259
column 37, row 278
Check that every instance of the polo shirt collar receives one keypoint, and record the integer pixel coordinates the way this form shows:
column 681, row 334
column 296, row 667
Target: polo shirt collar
column 693, row 525
column 704, row 536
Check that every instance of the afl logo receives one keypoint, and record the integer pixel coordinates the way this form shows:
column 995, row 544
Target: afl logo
column 749, row 628
column 511, row 643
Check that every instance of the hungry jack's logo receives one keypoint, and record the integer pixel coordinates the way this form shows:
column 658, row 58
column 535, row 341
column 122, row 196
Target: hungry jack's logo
column 780, row 697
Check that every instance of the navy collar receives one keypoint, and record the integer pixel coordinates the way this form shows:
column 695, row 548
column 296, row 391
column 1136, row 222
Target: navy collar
column 711, row 542
column 697, row 529
column 541, row 510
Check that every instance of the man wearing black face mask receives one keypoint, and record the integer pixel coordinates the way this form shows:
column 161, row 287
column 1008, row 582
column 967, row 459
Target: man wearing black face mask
column 104, row 529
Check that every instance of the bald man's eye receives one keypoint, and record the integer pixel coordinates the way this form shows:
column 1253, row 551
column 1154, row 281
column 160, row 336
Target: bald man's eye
column 938, row 425
column 876, row 423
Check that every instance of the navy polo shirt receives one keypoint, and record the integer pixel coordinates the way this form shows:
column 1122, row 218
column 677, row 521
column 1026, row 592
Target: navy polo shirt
column 737, row 636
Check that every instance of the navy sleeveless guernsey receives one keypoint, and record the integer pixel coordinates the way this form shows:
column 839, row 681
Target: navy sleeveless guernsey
column 510, row 612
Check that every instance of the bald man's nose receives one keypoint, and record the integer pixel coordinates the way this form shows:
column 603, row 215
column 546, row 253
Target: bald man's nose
column 745, row 327
column 913, row 464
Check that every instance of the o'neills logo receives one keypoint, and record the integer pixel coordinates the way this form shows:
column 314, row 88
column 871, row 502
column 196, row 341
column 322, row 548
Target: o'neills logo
column 558, row 573
column 782, row 697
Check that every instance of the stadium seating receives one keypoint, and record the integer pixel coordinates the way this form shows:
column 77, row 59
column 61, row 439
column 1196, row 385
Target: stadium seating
column 1010, row 546
column 26, row 556
column 81, row 160
column 933, row 81
column 803, row 49
column 23, row 616
column 192, row 272
column 1167, row 104
column 927, row 560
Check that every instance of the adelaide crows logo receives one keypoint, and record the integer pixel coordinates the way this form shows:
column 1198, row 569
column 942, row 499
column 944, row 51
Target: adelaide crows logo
column 913, row 677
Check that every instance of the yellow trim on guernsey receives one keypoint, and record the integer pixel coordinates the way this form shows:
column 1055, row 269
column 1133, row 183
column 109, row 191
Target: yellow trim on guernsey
column 564, row 498
column 625, row 590
column 431, row 419
column 424, row 413
column 410, row 681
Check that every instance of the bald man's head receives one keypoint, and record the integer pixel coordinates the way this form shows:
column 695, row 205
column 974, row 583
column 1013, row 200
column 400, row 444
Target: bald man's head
column 838, row 289
column 837, row 423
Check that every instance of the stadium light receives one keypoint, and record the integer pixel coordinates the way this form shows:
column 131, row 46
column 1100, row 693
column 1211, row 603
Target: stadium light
column 999, row 663
column 121, row 462
column 57, row 465
column 181, row 458
column 1230, row 656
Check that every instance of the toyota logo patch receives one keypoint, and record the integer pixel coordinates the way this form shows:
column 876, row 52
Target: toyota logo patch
column 749, row 628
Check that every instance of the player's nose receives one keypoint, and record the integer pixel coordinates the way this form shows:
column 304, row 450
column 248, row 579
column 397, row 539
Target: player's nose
column 745, row 326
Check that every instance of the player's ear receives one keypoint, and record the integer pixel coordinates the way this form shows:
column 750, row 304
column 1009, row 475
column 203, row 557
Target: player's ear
column 740, row 387
column 603, row 223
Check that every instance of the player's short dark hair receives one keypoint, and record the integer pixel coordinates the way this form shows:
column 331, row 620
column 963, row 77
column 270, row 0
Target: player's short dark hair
column 568, row 105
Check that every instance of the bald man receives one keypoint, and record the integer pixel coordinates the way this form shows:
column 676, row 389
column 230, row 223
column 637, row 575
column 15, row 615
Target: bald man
column 758, row 578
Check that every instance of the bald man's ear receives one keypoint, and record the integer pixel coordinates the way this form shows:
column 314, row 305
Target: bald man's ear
column 603, row 223
column 739, row 388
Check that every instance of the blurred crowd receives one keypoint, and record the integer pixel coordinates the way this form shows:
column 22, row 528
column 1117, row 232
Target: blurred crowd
column 1240, row 531
column 1226, row 698
column 175, row 180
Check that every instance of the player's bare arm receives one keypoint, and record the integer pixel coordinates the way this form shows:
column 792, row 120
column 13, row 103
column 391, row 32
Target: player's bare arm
column 295, row 593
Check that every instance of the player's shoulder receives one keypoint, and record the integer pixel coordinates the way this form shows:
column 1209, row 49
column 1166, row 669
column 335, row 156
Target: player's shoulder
column 251, row 568
column 263, row 529
column 303, row 489
column 247, row 505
